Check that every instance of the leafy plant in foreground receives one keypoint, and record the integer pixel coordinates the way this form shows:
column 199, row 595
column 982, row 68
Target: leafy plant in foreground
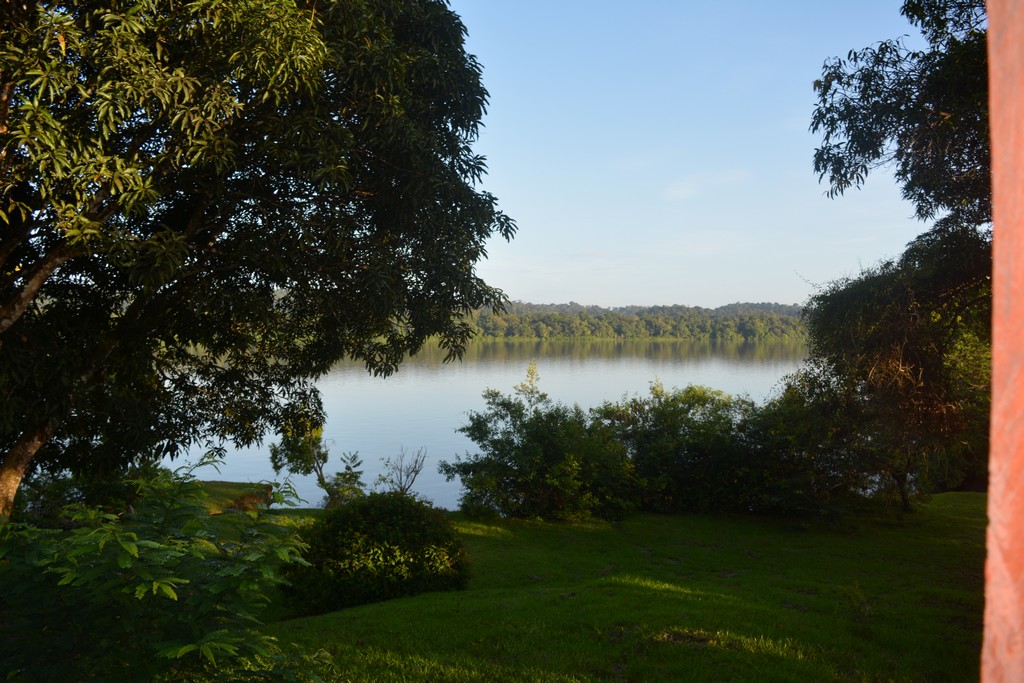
column 803, row 444
column 164, row 589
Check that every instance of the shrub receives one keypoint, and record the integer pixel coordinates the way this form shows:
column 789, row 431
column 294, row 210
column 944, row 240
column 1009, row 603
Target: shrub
column 686, row 447
column 541, row 459
column 807, row 450
column 346, row 485
column 165, row 589
column 377, row 547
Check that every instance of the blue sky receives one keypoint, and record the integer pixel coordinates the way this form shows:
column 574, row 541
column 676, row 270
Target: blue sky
column 658, row 152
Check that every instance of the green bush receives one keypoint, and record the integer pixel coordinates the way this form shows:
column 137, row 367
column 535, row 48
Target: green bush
column 380, row 546
column 807, row 449
column 685, row 445
column 541, row 459
column 694, row 449
column 164, row 589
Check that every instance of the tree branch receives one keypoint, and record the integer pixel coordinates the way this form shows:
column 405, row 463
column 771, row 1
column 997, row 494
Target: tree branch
column 37, row 275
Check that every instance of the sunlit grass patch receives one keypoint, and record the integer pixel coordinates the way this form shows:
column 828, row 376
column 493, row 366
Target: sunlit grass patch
column 663, row 589
column 468, row 528
column 758, row 645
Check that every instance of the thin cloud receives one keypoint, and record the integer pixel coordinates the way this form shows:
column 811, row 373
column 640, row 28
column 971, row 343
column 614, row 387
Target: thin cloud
column 697, row 184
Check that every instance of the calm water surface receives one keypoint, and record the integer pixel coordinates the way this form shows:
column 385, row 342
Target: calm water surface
column 426, row 401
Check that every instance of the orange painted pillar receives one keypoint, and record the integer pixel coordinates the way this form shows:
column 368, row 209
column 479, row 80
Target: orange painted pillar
column 1002, row 658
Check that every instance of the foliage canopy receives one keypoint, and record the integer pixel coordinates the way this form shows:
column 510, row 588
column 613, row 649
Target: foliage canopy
column 923, row 112
column 203, row 208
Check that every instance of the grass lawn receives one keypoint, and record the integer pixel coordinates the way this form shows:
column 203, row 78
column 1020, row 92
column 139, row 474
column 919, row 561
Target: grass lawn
column 699, row 598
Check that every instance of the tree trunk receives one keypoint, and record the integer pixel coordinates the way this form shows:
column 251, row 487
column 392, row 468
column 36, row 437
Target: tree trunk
column 900, row 478
column 16, row 461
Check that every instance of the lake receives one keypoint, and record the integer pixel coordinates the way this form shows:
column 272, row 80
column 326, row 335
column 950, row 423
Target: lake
column 423, row 404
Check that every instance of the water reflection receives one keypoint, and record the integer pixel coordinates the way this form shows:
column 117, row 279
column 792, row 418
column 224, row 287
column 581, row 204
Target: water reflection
column 656, row 350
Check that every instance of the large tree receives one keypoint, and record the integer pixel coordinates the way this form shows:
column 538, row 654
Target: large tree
column 205, row 204
column 909, row 338
column 907, row 343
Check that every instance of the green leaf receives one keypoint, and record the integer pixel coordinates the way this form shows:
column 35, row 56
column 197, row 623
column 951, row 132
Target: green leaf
column 130, row 548
column 165, row 588
column 175, row 650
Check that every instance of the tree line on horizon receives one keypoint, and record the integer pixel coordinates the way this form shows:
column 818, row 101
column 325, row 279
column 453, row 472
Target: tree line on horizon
column 732, row 323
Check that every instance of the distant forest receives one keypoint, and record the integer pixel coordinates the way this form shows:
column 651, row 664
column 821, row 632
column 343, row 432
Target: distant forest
column 739, row 322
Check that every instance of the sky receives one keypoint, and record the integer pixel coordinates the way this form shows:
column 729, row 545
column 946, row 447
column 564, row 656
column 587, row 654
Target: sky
column 658, row 152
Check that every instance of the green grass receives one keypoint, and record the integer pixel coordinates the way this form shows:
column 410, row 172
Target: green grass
column 700, row 598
